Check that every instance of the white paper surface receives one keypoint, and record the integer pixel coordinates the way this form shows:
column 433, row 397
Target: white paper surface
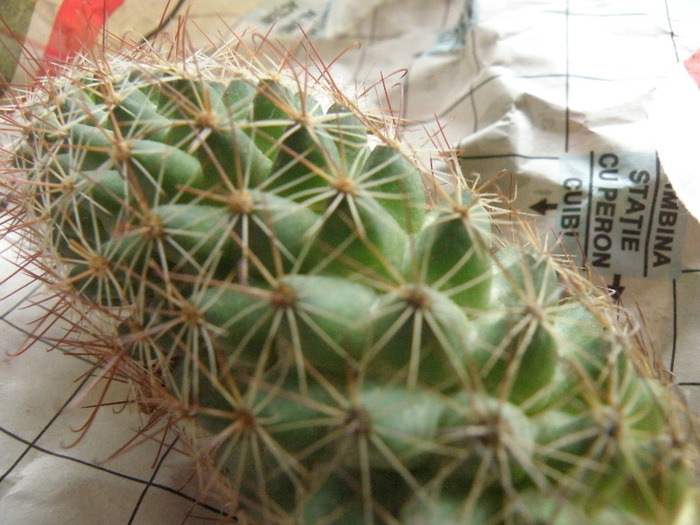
column 549, row 90
column 674, row 112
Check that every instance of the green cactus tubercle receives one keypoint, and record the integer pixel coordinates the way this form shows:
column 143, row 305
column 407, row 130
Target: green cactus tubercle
column 361, row 352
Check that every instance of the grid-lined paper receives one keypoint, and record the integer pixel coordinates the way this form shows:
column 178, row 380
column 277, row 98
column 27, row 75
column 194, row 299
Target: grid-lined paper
column 536, row 88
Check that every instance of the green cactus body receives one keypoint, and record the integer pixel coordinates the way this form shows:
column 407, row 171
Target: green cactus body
column 360, row 352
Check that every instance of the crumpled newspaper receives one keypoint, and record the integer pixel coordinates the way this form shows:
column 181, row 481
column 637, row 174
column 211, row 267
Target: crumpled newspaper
column 586, row 105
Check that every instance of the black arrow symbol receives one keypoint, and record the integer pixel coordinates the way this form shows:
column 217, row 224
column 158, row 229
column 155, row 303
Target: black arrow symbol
column 616, row 288
column 543, row 206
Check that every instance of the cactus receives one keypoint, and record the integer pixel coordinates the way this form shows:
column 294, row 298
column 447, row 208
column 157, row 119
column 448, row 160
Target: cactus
column 354, row 331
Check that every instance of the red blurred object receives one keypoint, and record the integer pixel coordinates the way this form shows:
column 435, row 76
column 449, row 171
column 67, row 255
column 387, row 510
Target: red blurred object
column 693, row 67
column 77, row 26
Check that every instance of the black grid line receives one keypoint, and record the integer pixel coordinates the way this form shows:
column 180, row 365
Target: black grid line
column 674, row 324
column 32, row 444
column 652, row 211
column 567, row 87
column 506, row 156
column 148, row 483
column 671, row 33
